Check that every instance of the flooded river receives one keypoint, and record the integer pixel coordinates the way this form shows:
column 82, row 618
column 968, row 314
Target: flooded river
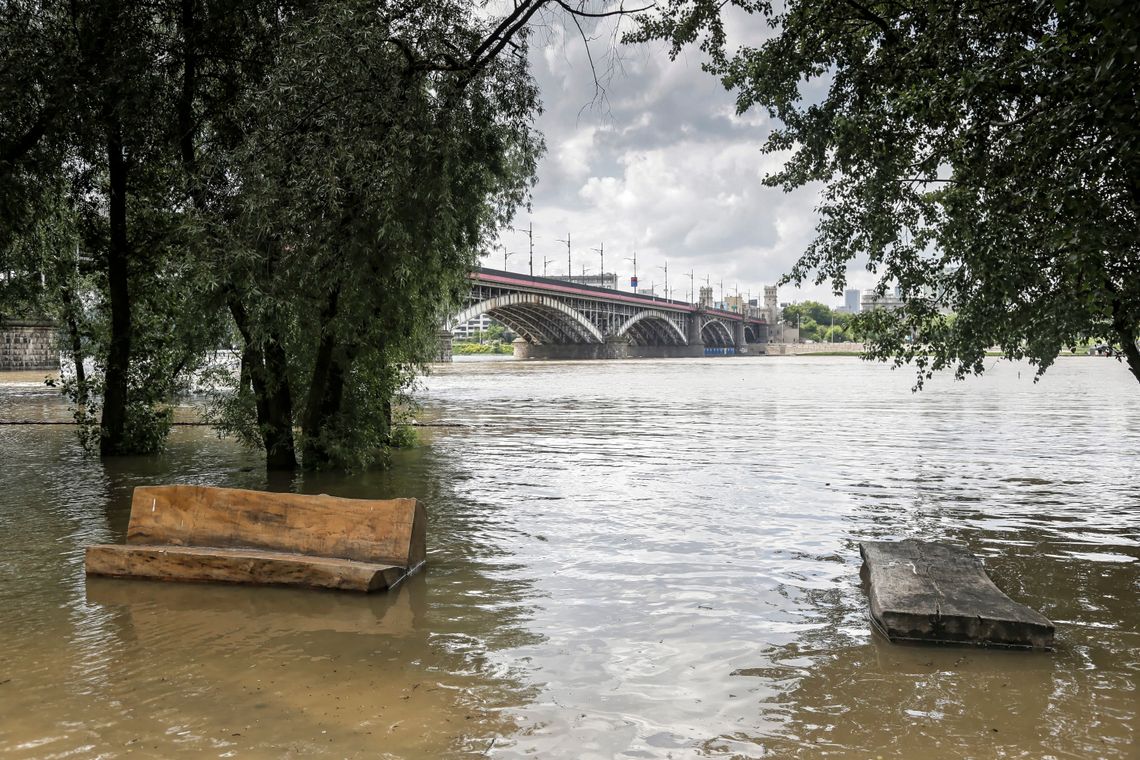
column 645, row 559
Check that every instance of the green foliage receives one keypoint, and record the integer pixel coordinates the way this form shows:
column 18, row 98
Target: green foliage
column 493, row 333
column 323, row 174
column 494, row 347
column 984, row 157
column 357, row 221
column 403, row 437
column 820, row 322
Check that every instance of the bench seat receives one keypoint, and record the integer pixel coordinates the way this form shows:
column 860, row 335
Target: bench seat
column 229, row 535
column 256, row 566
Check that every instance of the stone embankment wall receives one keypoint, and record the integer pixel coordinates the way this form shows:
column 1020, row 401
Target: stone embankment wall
column 799, row 349
column 28, row 346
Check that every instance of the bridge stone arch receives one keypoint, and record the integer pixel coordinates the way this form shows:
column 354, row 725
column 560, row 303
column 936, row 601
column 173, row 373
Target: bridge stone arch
column 537, row 318
column 650, row 328
column 714, row 332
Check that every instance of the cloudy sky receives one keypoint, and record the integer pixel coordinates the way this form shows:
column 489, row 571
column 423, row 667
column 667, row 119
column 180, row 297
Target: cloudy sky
column 659, row 164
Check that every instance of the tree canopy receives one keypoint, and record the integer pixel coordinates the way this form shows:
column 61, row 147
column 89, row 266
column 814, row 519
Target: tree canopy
column 982, row 156
column 819, row 322
column 309, row 182
column 306, row 182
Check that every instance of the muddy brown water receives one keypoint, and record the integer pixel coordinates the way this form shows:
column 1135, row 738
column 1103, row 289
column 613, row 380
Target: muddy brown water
column 645, row 559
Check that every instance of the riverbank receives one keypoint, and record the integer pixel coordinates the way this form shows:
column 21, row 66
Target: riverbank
column 476, row 349
column 818, row 349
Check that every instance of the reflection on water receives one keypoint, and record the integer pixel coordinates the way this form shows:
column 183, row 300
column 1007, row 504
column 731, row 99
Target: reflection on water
column 639, row 559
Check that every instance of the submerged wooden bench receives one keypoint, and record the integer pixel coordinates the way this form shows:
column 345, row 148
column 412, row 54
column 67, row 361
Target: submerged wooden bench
column 228, row 535
column 933, row 592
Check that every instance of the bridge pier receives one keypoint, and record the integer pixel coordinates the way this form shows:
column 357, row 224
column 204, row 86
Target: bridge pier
column 739, row 339
column 695, row 342
column 443, row 354
column 613, row 348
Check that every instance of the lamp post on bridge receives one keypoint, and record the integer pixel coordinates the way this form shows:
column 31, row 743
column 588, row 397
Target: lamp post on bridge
column 666, row 268
column 530, row 236
column 602, row 258
column 569, row 264
column 692, row 286
column 634, row 280
column 545, row 261
column 506, row 256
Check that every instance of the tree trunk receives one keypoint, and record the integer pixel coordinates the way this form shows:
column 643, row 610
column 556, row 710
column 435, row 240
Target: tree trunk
column 71, row 319
column 326, row 391
column 267, row 368
column 1127, row 333
column 280, row 453
column 113, row 426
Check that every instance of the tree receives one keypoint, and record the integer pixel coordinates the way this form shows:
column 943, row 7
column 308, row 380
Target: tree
column 311, row 179
column 366, row 187
column 984, row 157
column 91, row 151
column 360, row 218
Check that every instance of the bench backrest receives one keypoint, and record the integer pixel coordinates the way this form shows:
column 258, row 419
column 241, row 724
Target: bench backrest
column 389, row 532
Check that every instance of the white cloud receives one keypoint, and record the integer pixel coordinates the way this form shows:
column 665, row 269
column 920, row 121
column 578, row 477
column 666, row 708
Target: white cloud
column 658, row 163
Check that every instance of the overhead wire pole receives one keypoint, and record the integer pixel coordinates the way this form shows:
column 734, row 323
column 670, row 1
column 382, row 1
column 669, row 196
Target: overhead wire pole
column 634, row 260
column 666, row 268
column 692, row 286
column 569, row 264
column 530, row 236
column 545, row 261
column 602, row 253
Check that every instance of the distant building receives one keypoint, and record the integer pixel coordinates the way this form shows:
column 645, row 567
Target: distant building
column 851, row 300
column 872, row 300
column 734, row 303
column 706, row 296
column 607, row 280
column 468, row 330
column 771, row 307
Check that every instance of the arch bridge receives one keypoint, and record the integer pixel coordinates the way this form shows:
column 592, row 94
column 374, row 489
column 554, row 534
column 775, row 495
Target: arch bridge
column 557, row 319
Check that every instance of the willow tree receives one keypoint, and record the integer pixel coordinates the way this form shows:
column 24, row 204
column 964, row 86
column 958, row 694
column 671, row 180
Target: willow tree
column 376, row 167
column 97, row 113
column 983, row 156
column 321, row 173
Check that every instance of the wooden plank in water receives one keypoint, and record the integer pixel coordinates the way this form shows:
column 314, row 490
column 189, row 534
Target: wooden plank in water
column 934, row 592
column 390, row 532
column 193, row 563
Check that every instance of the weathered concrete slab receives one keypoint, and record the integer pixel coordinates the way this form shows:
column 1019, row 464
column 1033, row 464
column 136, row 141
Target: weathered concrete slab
column 934, row 592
